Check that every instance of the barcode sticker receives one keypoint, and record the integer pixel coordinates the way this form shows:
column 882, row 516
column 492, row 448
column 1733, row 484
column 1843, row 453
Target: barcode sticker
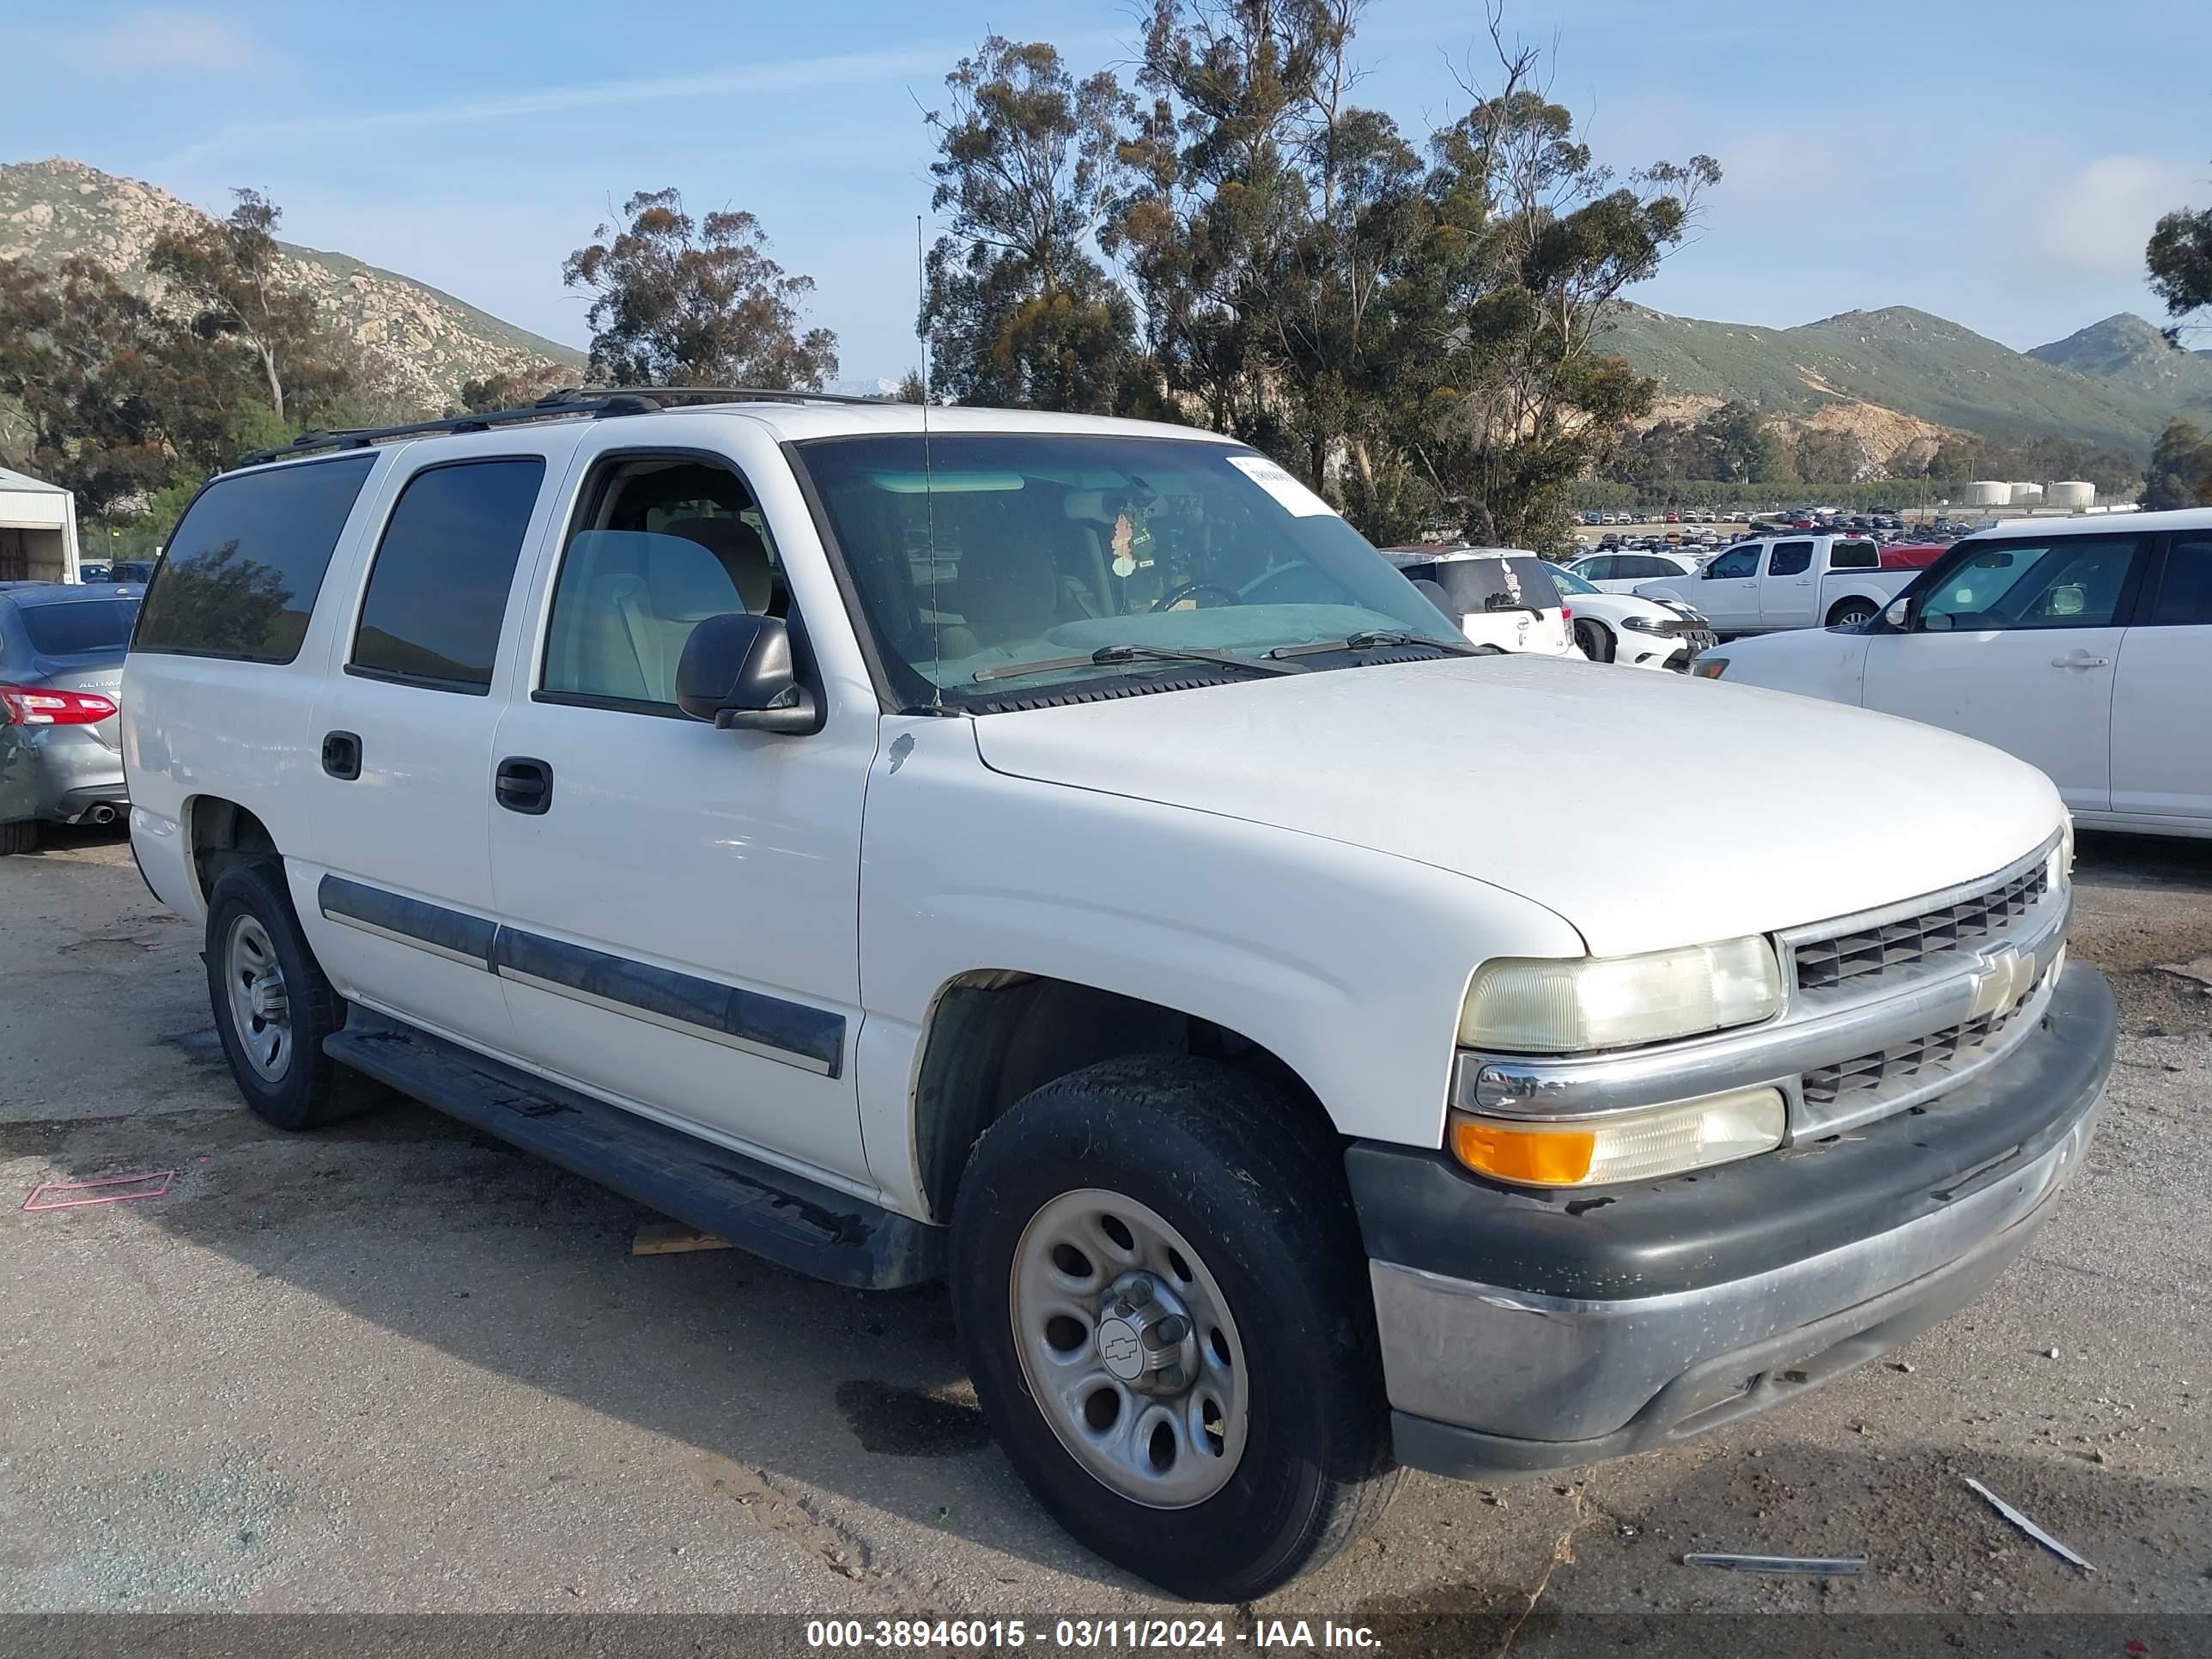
column 1281, row 485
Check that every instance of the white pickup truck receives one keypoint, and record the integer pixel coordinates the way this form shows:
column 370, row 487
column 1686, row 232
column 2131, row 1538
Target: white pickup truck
column 1786, row 581
column 1060, row 858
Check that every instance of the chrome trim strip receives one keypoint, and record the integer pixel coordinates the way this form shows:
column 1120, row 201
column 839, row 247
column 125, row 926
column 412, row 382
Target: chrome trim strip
column 398, row 938
column 750, row 1022
column 668, row 1022
column 1775, row 1053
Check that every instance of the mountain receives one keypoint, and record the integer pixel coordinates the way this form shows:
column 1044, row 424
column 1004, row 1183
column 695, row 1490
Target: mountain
column 427, row 343
column 1897, row 359
column 2128, row 351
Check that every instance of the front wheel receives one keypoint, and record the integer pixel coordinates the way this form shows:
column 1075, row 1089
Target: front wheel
column 1162, row 1295
column 1849, row 613
column 1596, row 642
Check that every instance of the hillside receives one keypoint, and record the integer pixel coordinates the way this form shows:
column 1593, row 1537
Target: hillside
column 1897, row 359
column 2131, row 353
column 427, row 343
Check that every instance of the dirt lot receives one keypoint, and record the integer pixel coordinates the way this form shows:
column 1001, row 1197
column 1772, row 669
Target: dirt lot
column 392, row 1367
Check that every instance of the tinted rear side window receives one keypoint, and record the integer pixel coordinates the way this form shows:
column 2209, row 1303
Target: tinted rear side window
column 437, row 592
column 1854, row 556
column 1479, row 585
column 61, row 630
column 242, row 570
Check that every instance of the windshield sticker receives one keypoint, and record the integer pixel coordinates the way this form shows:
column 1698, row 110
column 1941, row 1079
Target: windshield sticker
column 1286, row 489
column 1125, row 538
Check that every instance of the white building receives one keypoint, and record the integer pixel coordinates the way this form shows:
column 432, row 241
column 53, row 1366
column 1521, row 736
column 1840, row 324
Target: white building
column 2071, row 493
column 38, row 530
column 1988, row 493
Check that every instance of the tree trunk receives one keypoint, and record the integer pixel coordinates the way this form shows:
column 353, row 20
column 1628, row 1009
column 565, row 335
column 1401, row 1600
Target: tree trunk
column 276, row 386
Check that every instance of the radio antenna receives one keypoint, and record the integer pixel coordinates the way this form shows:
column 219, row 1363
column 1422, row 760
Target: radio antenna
column 928, row 494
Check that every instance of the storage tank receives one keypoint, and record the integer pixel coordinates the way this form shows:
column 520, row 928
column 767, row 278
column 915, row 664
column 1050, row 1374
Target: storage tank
column 2022, row 492
column 2072, row 493
column 1988, row 493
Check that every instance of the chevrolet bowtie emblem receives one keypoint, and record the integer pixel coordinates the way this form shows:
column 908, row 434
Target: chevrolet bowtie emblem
column 2004, row 977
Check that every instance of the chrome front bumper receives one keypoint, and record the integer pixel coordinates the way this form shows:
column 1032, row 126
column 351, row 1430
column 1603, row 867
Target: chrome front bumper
column 1489, row 1378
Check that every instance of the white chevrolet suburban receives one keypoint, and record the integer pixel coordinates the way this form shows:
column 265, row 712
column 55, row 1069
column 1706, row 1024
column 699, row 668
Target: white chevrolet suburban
column 1058, row 857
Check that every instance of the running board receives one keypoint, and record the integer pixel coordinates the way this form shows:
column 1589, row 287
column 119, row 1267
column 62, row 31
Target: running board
column 787, row 1219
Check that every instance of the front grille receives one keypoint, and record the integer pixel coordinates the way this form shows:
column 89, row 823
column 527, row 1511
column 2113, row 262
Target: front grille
column 1896, row 1065
column 1823, row 965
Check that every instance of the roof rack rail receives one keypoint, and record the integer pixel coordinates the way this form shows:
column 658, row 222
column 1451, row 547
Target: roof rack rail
column 600, row 402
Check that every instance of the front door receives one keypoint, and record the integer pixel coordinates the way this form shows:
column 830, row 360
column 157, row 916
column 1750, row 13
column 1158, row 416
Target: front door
column 2016, row 644
column 402, row 901
column 2162, row 745
column 679, row 904
column 1726, row 592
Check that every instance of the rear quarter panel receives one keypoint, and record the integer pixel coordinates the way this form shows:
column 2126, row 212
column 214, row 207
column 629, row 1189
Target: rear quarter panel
column 239, row 730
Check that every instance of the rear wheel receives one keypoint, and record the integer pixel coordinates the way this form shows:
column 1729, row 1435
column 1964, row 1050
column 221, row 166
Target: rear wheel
column 1849, row 613
column 1595, row 641
column 272, row 1006
column 20, row 836
column 1162, row 1297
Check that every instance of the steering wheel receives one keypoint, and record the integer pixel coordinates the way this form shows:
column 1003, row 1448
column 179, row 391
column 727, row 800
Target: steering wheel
column 1168, row 601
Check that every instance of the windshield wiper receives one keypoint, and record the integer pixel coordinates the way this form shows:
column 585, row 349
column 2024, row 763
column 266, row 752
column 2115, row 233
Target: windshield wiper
column 1377, row 639
column 1108, row 656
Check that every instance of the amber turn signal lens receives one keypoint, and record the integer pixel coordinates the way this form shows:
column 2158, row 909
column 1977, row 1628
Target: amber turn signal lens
column 1549, row 1158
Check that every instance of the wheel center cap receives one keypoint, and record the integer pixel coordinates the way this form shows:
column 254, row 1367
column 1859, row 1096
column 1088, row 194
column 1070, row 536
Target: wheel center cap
column 1120, row 1349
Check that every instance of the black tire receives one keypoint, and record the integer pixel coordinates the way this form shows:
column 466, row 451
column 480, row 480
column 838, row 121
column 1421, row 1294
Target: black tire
column 1595, row 641
column 314, row 1089
column 1849, row 613
column 20, row 836
column 1259, row 1192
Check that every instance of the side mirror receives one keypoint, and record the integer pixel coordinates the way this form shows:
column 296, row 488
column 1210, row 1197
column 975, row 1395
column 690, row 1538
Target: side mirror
column 1899, row 615
column 736, row 672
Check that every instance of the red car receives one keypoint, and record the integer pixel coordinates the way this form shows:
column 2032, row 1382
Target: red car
column 1903, row 555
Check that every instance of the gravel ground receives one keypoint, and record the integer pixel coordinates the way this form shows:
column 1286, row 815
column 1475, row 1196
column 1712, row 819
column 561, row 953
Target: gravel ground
column 391, row 1367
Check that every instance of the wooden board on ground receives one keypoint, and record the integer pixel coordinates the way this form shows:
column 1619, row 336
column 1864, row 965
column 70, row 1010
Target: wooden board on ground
column 672, row 1239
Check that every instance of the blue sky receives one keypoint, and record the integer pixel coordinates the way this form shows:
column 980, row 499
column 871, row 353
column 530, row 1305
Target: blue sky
column 1997, row 164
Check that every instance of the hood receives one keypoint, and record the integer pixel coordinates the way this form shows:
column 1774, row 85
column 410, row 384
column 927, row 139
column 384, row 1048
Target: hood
column 1647, row 809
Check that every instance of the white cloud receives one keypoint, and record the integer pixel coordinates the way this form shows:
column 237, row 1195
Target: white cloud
column 2095, row 220
column 166, row 42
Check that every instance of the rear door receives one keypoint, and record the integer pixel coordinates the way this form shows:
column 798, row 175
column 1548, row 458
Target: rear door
column 2161, row 746
column 2014, row 641
column 399, row 761
column 1789, row 596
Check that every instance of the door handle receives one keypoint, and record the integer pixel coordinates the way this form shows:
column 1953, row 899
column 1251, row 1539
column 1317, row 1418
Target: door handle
column 342, row 756
column 523, row 785
column 2080, row 659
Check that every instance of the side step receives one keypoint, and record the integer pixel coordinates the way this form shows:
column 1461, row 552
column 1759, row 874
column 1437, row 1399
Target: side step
column 790, row 1220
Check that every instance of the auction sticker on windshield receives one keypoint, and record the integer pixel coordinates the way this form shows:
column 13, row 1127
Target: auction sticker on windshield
column 1281, row 485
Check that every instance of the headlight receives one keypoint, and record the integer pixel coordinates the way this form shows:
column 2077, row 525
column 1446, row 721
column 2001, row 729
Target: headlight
column 1560, row 1005
column 1709, row 667
column 1645, row 624
column 2060, row 868
column 1659, row 1140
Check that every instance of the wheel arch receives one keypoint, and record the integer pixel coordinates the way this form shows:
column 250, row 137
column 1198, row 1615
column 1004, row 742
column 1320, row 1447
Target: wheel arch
column 219, row 831
column 994, row 1036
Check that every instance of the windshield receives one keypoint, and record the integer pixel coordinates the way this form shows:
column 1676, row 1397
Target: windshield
column 1031, row 548
column 65, row 629
column 1568, row 582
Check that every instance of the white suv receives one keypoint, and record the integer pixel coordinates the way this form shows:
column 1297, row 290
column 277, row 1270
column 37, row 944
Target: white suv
column 1059, row 856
